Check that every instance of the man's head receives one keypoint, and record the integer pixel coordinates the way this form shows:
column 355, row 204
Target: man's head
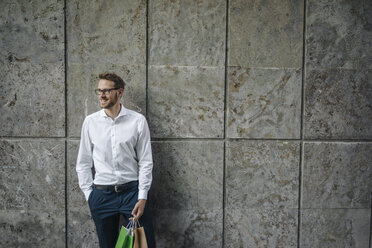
column 110, row 89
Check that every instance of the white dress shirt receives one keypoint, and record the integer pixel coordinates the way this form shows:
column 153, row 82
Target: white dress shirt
column 119, row 150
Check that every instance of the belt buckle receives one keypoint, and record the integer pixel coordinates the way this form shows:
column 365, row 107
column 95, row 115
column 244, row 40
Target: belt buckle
column 117, row 189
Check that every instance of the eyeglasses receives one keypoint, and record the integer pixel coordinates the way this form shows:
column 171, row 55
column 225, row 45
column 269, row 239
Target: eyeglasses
column 104, row 91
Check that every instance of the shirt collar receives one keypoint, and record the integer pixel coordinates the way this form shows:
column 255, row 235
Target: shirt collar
column 123, row 111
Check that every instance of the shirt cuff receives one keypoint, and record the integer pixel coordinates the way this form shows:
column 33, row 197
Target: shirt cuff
column 87, row 193
column 142, row 194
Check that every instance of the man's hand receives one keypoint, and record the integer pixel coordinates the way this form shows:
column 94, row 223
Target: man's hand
column 138, row 209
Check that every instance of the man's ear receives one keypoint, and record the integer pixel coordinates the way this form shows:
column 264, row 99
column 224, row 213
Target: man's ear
column 121, row 92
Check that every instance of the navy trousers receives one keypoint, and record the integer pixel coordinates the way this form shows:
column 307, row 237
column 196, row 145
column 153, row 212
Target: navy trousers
column 106, row 207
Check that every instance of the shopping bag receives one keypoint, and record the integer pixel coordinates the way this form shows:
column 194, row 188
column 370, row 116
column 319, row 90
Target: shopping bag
column 139, row 236
column 125, row 239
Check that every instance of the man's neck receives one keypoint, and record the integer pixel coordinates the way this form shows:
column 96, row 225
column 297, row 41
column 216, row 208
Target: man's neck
column 114, row 111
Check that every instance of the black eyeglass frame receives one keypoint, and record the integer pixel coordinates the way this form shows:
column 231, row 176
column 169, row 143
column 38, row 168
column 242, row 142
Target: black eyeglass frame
column 104, row 91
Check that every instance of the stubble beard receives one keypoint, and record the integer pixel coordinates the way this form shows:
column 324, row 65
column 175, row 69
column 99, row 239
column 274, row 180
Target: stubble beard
column 109, row 103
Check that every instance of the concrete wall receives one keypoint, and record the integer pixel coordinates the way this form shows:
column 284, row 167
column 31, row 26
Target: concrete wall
column 260, row 114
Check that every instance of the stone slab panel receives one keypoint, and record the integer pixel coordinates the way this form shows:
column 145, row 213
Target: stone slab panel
column 32, row 68
column 108, row 32
column 264, row 103
column 81, row 231
column 267, row 228
column 339, row 34
column 338, row 104
column 188, row 228
column 186, row 101
column 337, row 175
column 83, row 80
column 187, row 32
column 335, row 228
column 187, row 175
column 32, row 228
column 32, row 175
column 262, row 174
column 266, row 33
column 32, row 31
column 32, row 99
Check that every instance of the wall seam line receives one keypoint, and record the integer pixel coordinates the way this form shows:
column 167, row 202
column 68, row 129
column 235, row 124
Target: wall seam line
column 66, row 119
column 147, row 61
column 202, row 139
column 225, row 139
column 302, row 146
column 370, row 223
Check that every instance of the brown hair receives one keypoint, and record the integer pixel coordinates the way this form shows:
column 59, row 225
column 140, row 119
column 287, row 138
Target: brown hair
column 118, row 81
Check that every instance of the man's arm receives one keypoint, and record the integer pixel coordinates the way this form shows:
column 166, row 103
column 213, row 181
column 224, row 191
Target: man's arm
column 144, row 156
column 84, row 162
column 145, row 165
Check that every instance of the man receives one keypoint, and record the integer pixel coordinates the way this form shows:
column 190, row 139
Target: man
column 116, row 141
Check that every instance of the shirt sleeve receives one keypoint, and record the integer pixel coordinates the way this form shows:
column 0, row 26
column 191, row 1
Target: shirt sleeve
column 84, row 161
column 144, row 156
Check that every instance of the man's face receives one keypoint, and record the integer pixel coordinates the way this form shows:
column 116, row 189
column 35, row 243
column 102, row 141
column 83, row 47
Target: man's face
column 110, row 98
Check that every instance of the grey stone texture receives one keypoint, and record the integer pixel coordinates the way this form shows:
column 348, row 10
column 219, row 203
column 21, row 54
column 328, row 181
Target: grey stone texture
column 32, row 228
column 338, row 59
column 260, row 115
column 262, row 180
column 187, row 175
column 265, row 33
column 264, row 103
column 336, row 194
column 256, row 227
column 81, row 231
column 187, row 193
column 188, row 32
column 32, row 193
column 32, row 32
column 186, row 101
column 339, row 34
column 32, row 175
column 338, row 104
column 32, row 68
column 262, row 174
column 112, row 32
column 335, row 228
column 337, row 175
column 188, row 228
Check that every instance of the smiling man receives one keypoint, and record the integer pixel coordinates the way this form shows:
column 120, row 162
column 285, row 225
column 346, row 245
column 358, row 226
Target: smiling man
column 116, row 141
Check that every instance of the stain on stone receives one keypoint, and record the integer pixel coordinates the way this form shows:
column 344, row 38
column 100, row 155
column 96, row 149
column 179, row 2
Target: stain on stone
column 175, row 70
column 45, row 36
column 21, row 59
column 12, row 103
column 286, row 78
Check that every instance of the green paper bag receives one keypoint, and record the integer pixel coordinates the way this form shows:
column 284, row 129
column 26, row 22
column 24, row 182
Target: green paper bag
column 125, row 239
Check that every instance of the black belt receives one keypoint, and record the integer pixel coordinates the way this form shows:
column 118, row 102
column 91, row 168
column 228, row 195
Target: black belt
column 118, row 187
